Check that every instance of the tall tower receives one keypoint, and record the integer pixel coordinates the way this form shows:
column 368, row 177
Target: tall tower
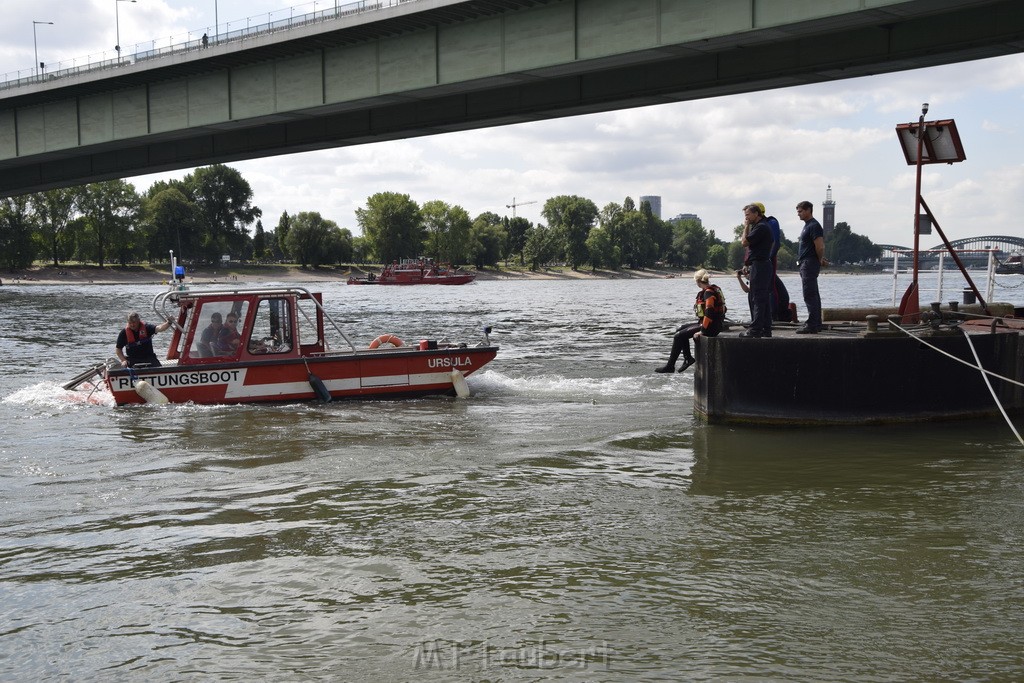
column 655, row 202
column 828, row 212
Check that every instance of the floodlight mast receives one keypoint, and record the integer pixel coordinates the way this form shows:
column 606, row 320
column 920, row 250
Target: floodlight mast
column 920, row 147
column 914, row 302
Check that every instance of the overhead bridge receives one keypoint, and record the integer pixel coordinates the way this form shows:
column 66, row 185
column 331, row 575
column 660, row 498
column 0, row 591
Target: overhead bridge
column 397, row 69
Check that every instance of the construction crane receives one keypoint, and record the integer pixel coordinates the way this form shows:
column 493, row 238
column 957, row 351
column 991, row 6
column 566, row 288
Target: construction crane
column 513, row 205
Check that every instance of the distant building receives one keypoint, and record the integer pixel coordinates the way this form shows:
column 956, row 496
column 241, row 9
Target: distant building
column 828, row 212
column 654, row 201
column 687, row 217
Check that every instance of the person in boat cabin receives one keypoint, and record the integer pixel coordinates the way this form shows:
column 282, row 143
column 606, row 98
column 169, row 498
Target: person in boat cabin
column 229, row 338
column 757, row 237
column 208, row 340
column 135, row 342
column 709, row 308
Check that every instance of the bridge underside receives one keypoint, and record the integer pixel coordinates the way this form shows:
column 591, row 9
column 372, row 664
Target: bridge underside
column 869, row 42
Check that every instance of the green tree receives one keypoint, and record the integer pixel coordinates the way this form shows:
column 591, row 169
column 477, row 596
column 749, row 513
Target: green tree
column 111, row 210
column 392, row 225
column 573, row 216
column 845, row 246
column 487, row 239
column 17, row 223
column 516, row 229
column 447, row 231
column 284, row 224
column 786, row 259
column 224, row 198
column 55, row 209
column 610, row 219
column 259, row 242
column 737, row 252
column 718, row 257
column 638, row 247
column 540, row 246
column 689, row 242
column 313, row 240
column 171, row 222
column 660, row 231
column 603, row 253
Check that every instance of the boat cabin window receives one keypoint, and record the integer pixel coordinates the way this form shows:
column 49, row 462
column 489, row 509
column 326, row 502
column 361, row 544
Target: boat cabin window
column 308, row 326
column 219, row 330
column 273, row 327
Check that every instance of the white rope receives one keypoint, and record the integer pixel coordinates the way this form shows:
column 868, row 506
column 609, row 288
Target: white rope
column 992, row 391
column 958, row 360
column 976, row 366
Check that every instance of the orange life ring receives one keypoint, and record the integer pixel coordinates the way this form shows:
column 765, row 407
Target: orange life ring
column 385, row 339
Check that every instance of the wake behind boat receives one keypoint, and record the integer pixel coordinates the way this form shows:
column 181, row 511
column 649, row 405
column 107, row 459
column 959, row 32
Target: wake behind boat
column 416, row 272
column 276, row 349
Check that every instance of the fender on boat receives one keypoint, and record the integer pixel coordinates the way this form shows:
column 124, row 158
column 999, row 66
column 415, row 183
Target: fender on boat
column 460, row 384
column 319, row 388
column 385, row 339
column 149, row 393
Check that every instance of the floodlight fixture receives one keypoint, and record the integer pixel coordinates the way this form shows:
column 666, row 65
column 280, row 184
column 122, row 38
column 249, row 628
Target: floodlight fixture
column 940, row 142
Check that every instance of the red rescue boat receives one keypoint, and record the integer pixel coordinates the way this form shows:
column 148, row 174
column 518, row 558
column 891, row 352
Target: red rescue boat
column 416, row 272
column 278, row 351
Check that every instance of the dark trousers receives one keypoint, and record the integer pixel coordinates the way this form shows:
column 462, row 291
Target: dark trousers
column 761, row 276
column 809, row 270
column 681, row 342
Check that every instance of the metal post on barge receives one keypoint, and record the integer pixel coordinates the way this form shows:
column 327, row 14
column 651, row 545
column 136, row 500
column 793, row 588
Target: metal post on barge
column 931, row 142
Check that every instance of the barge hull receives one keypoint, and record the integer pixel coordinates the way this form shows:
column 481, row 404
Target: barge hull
column 853, row 379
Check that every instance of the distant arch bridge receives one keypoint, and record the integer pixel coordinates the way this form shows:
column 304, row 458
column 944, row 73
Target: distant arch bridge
column 971, row 250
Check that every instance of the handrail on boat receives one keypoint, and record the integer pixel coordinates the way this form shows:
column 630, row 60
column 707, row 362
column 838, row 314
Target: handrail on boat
column 172, row 296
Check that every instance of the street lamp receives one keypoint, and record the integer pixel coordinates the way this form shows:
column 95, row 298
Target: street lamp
column 35, row 44
column 117, row 27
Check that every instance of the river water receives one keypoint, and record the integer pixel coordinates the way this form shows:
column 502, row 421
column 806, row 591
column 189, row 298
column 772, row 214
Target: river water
column 570, row 521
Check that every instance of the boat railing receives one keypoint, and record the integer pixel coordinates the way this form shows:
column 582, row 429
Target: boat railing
column 165, row 304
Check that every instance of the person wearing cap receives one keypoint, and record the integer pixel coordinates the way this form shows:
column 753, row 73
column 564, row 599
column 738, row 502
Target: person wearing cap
column 811, row 259
column 135, row 342
column 709, row 308
column 757, row 238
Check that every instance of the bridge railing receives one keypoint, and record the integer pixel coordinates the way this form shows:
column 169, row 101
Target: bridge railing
column 195, row 40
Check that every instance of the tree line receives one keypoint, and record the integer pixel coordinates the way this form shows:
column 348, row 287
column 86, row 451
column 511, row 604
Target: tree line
column 210, row 213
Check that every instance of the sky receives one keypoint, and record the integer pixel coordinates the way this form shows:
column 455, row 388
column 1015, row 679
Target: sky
column 707, row 157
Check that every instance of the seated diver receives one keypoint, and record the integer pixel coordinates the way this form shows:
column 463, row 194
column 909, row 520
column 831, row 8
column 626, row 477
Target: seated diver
column 709, row 308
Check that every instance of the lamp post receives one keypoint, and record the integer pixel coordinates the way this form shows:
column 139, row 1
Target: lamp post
column 35, row 44
column 117, row 27
column 216, row 21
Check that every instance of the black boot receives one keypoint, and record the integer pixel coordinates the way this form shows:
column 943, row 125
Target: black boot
column 687, row 362
column 668, row 367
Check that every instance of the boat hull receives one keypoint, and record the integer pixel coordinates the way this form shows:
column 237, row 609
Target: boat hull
column 853, row 378
column 362, row 375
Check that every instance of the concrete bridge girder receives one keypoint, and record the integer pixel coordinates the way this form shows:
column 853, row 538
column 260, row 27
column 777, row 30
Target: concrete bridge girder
column 442, row 65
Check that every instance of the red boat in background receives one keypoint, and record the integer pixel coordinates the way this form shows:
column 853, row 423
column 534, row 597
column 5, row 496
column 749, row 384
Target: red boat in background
column 416, row 272
column 279, row 351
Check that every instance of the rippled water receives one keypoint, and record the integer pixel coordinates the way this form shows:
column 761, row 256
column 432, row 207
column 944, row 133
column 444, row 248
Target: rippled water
column 570, row 521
